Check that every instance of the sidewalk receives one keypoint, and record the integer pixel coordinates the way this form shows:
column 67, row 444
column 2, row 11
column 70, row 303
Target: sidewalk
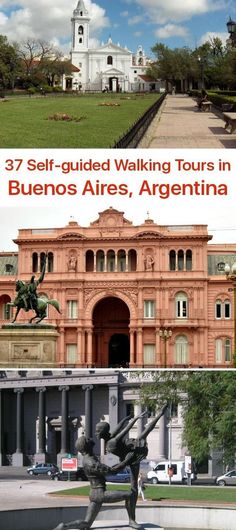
column 180, row 124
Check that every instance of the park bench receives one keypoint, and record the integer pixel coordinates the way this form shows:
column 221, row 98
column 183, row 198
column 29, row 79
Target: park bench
column 230, row 121
column 206, row 106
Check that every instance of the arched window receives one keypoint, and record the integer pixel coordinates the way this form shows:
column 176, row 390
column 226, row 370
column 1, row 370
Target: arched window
column 172, row 260
column 50, row 262
column 223, row 309
column 80, row 30
column 80, row 40
column 181, row 305
column 227, row 309
column 132, row 260
column 180, row 260
column 42, row 260
column 121, row 260
column 181, row 350
column 218, row 309
column 35, row 262
column 100, row 261
column 223, row 350
column 189, row 260
column 140, row 61
column 109, row 59
column 110, row 261
column 89, row 261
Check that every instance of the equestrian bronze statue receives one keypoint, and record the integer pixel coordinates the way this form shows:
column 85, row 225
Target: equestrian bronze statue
column 28, row 299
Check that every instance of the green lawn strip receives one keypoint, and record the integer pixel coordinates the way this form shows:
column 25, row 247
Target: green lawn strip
column 156, row 493
column 25, row 123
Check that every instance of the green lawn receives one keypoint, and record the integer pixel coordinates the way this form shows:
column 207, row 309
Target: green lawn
column 25, row 123
column 193, row 493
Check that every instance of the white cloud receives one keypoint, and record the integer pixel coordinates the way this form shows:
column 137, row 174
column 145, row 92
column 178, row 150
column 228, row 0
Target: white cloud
column 135, row 20
column 46, row 19
column 223, row 36
column 124, row 14
column 163, row 11
column 171, row 30
column 138, row 33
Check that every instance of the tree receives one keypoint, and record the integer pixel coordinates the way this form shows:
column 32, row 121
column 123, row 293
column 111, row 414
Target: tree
column 41, row 62
column 9, row 63
column 208, row 402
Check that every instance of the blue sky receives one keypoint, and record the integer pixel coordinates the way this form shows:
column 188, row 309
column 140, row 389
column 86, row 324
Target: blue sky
column 130, row 22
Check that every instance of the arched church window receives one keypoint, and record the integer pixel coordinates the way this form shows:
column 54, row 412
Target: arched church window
column 109, row 59
column 80, row 30
column 140, row 61
column 81, row 13
column 80, row 40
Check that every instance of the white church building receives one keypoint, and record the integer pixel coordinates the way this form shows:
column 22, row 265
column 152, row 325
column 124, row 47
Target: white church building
column 110, row 67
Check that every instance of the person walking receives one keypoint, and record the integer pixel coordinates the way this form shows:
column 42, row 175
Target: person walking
column 141, row 486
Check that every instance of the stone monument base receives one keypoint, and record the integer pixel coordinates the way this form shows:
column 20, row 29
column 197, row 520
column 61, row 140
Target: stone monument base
column 28, row 346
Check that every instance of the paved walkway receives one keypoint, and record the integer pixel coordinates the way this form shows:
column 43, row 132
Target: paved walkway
column 180, row 124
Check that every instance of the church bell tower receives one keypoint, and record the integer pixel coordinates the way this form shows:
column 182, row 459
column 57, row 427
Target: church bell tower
column 80, row 28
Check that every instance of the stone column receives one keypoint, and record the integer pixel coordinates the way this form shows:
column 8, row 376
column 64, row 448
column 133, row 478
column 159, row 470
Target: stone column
column 113, row 406
column 17, row 457
column 88, row 410
column 1, row 428
column 41, row 449
column 137, row 411
column 90, row 348
column 161, row 439
column 131, row 336
column 79, row 347
column 62, row 360
column 64, row 419
column 140, row 359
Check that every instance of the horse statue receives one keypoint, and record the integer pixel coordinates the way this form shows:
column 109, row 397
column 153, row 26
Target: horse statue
column 40, row 305
column 28, row 299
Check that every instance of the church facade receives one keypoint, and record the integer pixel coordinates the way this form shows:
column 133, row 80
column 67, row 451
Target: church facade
column 109, row 67
column 145, row 296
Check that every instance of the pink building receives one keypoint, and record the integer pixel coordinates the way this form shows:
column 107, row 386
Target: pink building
column 121, row 286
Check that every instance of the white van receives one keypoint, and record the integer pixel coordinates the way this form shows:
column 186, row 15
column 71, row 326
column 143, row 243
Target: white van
column 161, row 472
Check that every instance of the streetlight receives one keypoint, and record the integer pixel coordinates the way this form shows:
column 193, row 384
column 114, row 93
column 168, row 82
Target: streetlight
column 231, row 27
column 231, row 275
column 201, row 63
column 165, row 335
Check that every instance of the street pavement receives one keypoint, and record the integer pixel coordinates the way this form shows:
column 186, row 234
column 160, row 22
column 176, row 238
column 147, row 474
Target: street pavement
column 180, row 124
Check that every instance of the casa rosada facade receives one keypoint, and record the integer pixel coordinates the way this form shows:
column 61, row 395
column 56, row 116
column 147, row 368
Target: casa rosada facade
column 130, row 296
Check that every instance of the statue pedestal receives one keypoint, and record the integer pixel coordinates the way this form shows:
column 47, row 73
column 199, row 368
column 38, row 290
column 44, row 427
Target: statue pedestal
column 28, row 346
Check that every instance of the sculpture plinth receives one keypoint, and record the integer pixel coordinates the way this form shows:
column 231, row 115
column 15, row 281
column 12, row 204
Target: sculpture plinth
column 28, row 346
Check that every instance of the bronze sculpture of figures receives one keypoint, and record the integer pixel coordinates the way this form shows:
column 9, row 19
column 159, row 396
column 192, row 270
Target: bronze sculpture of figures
column 27, row 297
column 130, row 452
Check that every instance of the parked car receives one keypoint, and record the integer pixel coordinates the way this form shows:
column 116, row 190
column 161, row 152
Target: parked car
column 42, row 469
column 228, row 479
column 160, row 473
column 122, row 476
column 69, row 475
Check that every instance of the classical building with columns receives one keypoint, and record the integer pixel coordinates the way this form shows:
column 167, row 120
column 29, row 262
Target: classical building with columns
column 130, row 296
column 42, row 413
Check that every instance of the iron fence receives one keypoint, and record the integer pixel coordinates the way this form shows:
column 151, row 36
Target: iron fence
column 133, row 136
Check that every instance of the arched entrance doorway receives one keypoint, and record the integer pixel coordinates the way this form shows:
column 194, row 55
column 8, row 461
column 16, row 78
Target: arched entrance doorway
column 111, row 320
column 113, row 84
column 118, row 351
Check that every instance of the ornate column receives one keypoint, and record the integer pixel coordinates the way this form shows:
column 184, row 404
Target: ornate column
column 131, row 336
column 140, row 360
column 88, row 410
column 64, row 419
column 90, row 348
column 17, row 457
column 94, row 262
column 41, row 449
column 79, row 347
